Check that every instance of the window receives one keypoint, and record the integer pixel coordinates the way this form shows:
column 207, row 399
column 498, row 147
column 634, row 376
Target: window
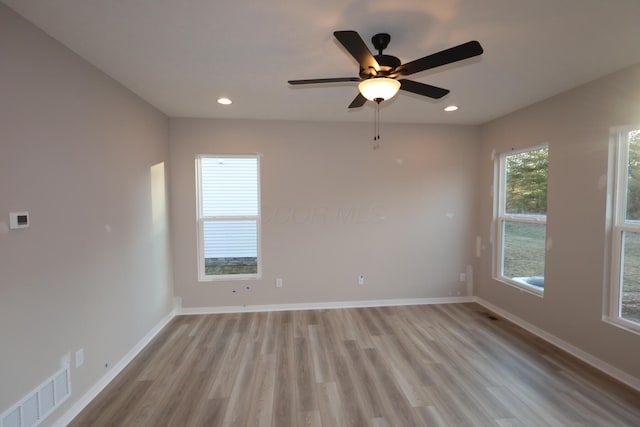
column 522, row 218
column 625, row 268
column 228, row 217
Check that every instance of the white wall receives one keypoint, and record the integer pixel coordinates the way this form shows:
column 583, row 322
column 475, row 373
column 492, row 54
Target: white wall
column 576, row 125
column 92, row 271
column 334, row 208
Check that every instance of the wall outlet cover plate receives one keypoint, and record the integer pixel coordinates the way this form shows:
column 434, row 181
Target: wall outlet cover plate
column 18, row 220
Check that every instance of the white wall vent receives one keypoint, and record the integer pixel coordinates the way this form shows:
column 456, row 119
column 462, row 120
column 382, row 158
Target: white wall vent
column 41, row 402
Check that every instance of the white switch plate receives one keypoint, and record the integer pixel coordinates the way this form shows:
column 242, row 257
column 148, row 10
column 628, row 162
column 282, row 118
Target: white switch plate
column 361, row 279
column 278, row 282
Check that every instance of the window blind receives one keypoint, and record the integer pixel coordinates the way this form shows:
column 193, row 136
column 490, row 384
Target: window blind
column 230, row 239
column 229, row 186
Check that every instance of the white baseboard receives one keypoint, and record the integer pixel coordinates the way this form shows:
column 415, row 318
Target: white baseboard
column 601, row 365
column 81, row 403
column 322, row 305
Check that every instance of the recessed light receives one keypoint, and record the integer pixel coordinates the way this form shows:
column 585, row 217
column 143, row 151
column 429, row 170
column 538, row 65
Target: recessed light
column 224, row 101
column 451, row 108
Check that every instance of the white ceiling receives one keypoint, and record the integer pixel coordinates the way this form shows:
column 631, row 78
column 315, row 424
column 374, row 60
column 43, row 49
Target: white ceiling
column 181, row 55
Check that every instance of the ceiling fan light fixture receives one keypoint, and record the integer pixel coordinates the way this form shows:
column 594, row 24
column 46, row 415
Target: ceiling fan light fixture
column 379, row 88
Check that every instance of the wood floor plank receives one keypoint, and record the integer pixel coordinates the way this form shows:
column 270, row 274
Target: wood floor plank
column 270, row 334
column 238, row 405
column 331, row 410
column 441, row 365
column 354, row 413
column 284, row 407
column 319, row 355
column 364, row 376
column 214, row 412
column 396, row 409
column 430, row 416
column 227, row 367
column 311, row 419
column 397, row 366
column 260, row 410
column 305, row 383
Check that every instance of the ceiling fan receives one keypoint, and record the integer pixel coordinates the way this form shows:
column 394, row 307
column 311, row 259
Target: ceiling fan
column 380, row 74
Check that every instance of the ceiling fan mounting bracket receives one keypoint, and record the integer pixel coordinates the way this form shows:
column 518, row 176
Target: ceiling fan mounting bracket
column 380, row 41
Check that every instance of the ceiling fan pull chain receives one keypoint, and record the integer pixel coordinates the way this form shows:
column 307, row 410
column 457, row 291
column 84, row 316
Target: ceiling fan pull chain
column 375, row 130
column 376, row 138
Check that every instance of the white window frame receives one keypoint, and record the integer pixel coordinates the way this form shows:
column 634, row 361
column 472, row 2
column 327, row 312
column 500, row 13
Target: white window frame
column 501, row 217
column 202, row 276
column 620, row 225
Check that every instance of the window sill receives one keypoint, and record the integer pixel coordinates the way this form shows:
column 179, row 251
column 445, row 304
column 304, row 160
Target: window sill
column 521, row 286
column 229, row 277
column 626, row 325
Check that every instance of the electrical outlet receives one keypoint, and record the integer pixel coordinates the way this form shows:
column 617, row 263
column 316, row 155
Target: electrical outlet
column 278, row 282
column 361, row 279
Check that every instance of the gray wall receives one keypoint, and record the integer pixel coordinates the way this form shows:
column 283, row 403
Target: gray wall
column 333, row 208
column 576, row 126
column 92, row 271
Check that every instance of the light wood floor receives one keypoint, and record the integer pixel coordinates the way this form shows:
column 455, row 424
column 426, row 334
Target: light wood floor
column 444, row 365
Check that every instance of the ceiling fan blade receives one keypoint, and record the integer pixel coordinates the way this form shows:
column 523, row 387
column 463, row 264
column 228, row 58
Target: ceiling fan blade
column 330, row 80
column 352, row 41
column 423, row 89
column 358, row 101
column 447, row 56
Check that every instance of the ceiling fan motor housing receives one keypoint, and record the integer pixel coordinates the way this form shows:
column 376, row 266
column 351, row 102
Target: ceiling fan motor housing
column 388, row 64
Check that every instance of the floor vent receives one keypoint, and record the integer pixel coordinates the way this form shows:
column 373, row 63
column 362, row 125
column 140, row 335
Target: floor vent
column 489, row 316
column 41, row 402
